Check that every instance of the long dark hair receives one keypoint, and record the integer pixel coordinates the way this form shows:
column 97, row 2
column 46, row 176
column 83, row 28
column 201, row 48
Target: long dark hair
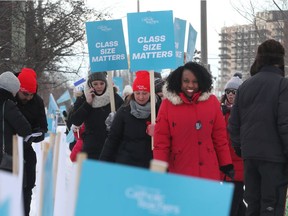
column 174, row 80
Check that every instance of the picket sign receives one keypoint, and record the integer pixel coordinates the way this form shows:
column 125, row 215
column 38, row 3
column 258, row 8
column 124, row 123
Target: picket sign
column 45, row 149
column 49, row 164
column 142, row 192
column 111, row 91
column 56, row 157
column 74, row 194
column 15, row 165
column 155, row 165
column 152, row 102
column 80, row 158
column 158, row 166
column 11, row 183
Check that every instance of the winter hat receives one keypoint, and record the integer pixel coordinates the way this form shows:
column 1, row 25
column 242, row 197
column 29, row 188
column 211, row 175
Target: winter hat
column 157, row 75
column 233, row 83
column 9, row 82
column 270, row 52
column 28, row 82
column 238, row 74
column 127, row 90
column 158, row 85
column 97, row 76
column 142, row 81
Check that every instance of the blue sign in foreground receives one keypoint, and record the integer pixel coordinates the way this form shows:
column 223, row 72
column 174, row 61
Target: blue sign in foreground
column 4, row 208
column 110, row 189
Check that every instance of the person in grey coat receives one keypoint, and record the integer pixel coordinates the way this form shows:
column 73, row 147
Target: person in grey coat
column 258, row 127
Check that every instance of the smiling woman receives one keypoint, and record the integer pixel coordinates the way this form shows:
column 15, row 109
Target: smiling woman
column 190, row 133
column 129, row 140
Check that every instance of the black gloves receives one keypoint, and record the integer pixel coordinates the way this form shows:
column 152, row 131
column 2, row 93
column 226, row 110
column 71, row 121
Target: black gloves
column 228, row 170
column 31, row 140
column 37, row 136
column 237, row 151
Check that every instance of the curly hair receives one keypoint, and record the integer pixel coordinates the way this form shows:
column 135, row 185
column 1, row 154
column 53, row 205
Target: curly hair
column 174, row 80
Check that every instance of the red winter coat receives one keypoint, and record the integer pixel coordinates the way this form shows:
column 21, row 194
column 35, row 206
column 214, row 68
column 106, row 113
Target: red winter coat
column 237, row 161
column 78, row 145
column 188, row 150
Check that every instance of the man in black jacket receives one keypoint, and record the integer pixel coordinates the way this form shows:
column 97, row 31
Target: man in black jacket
column 32, row 107
column 258, row 128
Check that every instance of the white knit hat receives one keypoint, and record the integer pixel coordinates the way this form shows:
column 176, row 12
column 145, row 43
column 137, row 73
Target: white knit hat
column 9, row 82
column 233, row 83
column 127, row 90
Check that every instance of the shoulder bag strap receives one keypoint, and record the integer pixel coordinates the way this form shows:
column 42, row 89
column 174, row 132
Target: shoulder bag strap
column 3, row 134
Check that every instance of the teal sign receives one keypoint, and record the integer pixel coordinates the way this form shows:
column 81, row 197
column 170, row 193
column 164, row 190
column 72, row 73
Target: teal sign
column 4, row 208
column 179, row 31
column 192, row 35
column 106, row 45
column 48, row 186
column 151, row 40
column 111, row 189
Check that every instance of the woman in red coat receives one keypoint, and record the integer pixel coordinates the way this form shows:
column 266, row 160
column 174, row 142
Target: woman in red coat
column 238, row 207
column 190, row 131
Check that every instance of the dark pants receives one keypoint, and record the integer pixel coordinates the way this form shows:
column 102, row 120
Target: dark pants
column 264, row 190
column 29, row 177
column 238, row 207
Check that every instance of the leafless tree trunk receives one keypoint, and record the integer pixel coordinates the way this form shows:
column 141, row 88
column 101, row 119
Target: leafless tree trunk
column 53, row 35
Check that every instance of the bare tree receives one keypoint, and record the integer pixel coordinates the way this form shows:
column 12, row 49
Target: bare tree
column 261, row 13
column 54, row 38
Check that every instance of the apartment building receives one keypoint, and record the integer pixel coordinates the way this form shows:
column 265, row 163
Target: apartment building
column 238, row 44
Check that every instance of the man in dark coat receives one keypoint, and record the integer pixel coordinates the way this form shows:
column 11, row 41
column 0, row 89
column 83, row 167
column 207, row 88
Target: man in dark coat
column 258, row 128
column 32, row 107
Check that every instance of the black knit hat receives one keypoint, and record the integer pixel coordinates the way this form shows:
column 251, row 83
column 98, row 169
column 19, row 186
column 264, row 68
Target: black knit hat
column 158, row 84
column 270, row 52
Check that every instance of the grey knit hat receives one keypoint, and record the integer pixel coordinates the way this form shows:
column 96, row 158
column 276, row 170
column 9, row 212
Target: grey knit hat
column 233, row 83
column 97, row 76
column 9, row 82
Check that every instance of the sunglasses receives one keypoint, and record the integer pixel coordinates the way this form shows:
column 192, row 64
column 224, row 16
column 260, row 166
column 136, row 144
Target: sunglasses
column 233, row 91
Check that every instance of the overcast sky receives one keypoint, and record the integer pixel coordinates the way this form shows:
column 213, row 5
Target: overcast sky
column 216, row 18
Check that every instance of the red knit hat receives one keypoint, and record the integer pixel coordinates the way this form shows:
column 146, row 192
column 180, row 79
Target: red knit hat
column 27, row 78
column 142, row 81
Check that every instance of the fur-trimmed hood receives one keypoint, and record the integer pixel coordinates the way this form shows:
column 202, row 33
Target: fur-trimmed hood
column 176, row 99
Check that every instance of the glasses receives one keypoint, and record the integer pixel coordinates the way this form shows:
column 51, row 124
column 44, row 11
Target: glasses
column 233, row 91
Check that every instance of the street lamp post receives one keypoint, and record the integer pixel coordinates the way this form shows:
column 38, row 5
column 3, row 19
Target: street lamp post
column 138, row 5
column 204, row 58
